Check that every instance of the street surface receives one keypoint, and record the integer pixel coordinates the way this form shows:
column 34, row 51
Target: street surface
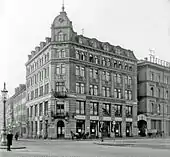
column 68, row 148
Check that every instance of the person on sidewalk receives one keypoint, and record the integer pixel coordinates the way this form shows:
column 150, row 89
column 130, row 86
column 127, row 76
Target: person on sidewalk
column 9, row 140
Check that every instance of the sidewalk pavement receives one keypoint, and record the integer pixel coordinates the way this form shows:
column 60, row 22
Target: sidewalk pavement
column 15, row 145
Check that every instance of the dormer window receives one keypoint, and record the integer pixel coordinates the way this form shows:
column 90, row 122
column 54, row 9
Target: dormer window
column 91, row 58
column 106, row 47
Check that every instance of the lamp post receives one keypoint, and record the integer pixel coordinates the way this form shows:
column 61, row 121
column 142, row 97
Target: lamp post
column 4, row 98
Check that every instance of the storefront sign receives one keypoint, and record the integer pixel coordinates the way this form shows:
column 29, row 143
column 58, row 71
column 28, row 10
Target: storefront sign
column 118, row 119
column 128, row 119
column 94, row 118
column 80, row 117
column 106, row 118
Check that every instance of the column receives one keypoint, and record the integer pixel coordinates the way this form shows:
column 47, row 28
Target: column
column 134, row 121
column 87, row 120
column 123, row 120
column 112, row 134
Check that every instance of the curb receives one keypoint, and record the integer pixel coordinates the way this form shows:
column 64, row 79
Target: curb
column 5, row 147
column 115, row 144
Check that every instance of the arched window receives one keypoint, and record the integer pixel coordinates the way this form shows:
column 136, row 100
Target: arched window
column 118, row 78
column 151, row 91
column 120, row 65
column 126, row 67
column 83, row 56
column 159, row 93
column 63, row 53
column 115, row 64
column 103, row 62
column 77, row 55
column 166, row 96
column 91, row 58
column 96, row 59
column 108, row 62
column 130, row 68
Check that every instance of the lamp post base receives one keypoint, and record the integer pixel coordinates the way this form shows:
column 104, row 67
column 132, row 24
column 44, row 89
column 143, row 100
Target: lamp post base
column 3, row 138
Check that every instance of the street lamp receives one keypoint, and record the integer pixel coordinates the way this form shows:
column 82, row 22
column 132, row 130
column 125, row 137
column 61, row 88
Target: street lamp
column 113, row 129
column 4, row 98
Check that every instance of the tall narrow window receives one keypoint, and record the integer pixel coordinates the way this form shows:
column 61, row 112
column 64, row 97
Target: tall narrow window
column 62, row 68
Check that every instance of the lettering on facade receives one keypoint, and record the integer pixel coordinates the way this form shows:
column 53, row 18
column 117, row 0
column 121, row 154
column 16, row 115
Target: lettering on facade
column 94, row 118
column 80, row 117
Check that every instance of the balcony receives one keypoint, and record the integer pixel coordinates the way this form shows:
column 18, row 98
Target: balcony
column 61, row 94
column 56, row 115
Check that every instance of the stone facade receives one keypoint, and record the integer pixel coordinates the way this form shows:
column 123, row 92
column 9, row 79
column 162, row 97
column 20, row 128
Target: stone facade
column 153, row 95
column 90, row 85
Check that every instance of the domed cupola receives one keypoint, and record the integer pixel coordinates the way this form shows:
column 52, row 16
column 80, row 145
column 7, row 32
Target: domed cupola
column 61, row 29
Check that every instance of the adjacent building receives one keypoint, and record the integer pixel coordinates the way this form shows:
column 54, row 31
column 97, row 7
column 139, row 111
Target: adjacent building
column 75, row 83
column 154, row 95
column 16, row 111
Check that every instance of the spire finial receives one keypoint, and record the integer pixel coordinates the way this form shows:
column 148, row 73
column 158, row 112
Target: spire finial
column 63, row 6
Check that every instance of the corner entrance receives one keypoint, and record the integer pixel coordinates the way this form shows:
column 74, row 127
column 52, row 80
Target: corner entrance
column 142, row 124
column 60, row 129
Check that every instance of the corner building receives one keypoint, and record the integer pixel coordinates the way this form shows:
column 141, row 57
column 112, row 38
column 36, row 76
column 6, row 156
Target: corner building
column 79, row 84
column 153, row 96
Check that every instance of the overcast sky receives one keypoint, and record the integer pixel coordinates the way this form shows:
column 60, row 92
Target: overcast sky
column 138, row 25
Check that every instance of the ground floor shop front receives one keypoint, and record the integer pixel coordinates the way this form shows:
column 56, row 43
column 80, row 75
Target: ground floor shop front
column 61, row 128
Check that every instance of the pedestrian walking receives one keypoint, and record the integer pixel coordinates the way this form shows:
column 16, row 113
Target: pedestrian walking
column 9, row 140
column 16, row 136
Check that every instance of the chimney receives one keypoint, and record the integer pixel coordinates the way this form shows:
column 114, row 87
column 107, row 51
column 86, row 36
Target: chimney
column 37, row 49
column 48, row 40
column 42, row 44
column 146, row 59
column 29, row 57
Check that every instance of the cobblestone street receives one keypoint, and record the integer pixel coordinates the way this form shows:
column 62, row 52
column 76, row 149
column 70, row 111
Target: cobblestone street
column 66, row 148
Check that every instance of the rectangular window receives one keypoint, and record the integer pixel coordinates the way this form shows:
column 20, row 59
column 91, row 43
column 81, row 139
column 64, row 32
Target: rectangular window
column 59, row 108
column 91, row 73
column 95, row 74
column 46, row 108
column 128, row 111
column 82, row 71
column 80, row 107
column 41, row 91
column 107, row 76
column 106, row 109
column 58, row 69
column 60, row 86
column 94, row 108
column 77, row 70
column 77, row 88
column 63, row 69
column 36, row 93
column 46, row 88
column 82, row 88
column 40, row 109
column 36, row 110
column 32, row 95
column 118, row 110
